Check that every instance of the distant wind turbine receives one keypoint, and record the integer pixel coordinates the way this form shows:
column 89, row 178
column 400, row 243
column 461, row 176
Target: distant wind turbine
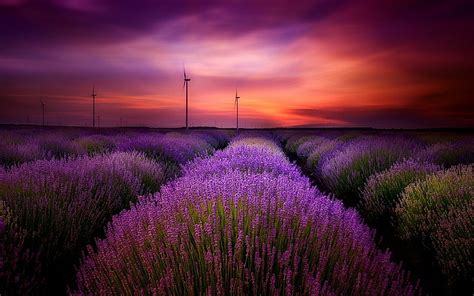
column 94, row 94
column 186, row 82
column 236, row 104
column 42, row 109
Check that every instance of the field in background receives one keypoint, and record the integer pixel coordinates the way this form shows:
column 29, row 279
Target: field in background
column 127, row 211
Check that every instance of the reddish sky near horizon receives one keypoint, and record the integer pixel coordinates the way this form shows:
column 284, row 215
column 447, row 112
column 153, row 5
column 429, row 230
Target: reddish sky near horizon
column 314, row 63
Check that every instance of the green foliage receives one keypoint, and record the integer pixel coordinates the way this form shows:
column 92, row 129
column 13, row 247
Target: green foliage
column 382, row 190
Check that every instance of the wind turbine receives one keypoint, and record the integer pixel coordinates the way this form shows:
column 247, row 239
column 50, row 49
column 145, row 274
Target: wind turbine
column 186, row 81
column 94, row 94
column 236, row 104
column 42, row 109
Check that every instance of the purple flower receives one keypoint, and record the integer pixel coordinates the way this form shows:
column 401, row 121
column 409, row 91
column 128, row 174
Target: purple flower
column 438, row 211
column 175, row 147
column 62, row 204
column 382, row 190
column 245, row 229
column 346, row 172
column 248, row 158
column 450, row 153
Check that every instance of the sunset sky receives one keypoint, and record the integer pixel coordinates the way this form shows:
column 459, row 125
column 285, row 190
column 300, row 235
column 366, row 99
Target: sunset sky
column 296, row 63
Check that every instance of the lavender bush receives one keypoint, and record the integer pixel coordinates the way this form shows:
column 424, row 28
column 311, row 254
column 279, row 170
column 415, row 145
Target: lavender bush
column 63, row 204
column 437, row 212
column 319, row 153
column 15, row 154
column 215, row 138
column 347, row 171
column 248, row 155
column 307, row 147
column 350, row 136
column 257, row 138
column 450, row 153
column 241, row 231
column 57, row 146
column 382, row 190
column 95, row 144
column 432, row 138
column 453, row 243
column 294, row 142
column 20, row 268
column 171, row 147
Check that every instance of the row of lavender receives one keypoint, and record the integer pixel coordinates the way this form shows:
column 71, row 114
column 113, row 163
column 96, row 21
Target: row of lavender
column 419, row 185
column 50, row 209
column 244, row 221
column 28, row 144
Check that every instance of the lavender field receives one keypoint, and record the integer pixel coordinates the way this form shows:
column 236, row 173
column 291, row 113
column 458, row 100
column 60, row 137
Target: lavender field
column 259, row 212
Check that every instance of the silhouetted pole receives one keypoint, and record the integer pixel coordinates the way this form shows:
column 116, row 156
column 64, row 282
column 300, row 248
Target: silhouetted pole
column 237, row 115
column 237, row 105
column 186, row 82
column 186, row 103
column 94, row 94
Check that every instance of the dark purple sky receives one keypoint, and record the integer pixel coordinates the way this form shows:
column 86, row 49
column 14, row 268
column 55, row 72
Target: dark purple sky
column 296, row 63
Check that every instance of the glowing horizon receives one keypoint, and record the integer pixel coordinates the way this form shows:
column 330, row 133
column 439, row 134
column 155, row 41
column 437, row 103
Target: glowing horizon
column 309, row 64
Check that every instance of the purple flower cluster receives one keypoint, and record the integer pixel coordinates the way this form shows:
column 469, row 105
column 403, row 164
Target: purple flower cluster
column 348, row 169
column 95, row 144
column 438, row 212
column 14, row 154
column 453, row 243
column 249, row 229
column 294, row 142
column 450, row 153
column 307, row 147
column 22, row 146
column 382, row 190
column 175, row 147
column 20, row 269
column 265, row 156
column 62, row 204
column 395, row 176
column 15, row 148
column 321, row 153
column 56, row 146
column 215, row 138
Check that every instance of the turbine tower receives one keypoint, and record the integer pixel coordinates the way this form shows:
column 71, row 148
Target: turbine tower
column 236, row 104
column 186, row 81
column 42, row 109
column 94, row 94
